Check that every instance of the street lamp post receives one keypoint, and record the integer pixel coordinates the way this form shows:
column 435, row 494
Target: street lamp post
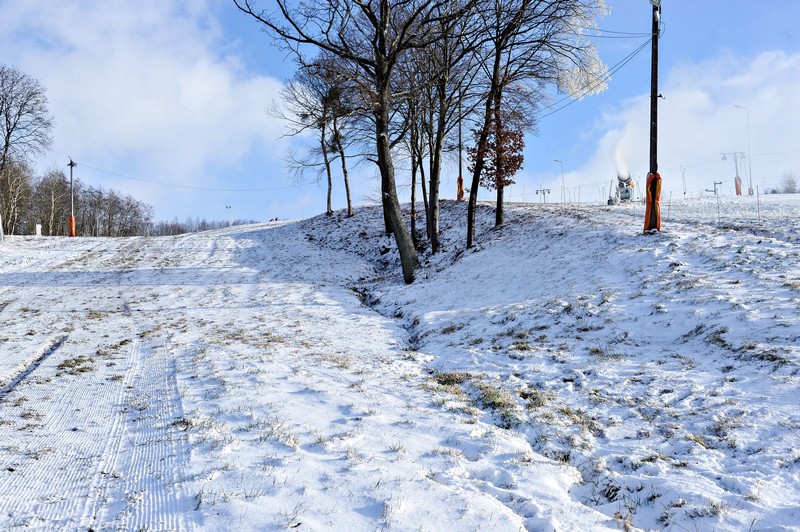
column 563, row 188
column 750, row 190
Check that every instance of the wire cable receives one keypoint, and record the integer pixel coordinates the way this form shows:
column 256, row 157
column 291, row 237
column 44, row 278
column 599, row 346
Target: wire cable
column 208, row 189
column 591, row 87
column 611, row 34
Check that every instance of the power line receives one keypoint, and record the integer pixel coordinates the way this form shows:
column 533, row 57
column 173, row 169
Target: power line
column 599, row 82
column 613, row 70
column 208, row 189
column 611, row 34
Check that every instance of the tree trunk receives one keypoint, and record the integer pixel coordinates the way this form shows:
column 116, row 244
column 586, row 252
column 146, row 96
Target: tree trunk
column 491, row 98
column 393, row 215
column 436, row 166
column 52, row 218
column 476, row 173
column 392, row 211
column 324, row 147
column 340, row 149
column 498, row 213
column 414, row 198
column 424, row 187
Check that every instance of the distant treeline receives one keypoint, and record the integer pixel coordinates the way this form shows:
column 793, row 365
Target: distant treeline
column 27, row 200
column 788, row 185
column 191, row 226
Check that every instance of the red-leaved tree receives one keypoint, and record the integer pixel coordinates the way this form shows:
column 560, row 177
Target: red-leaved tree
column 502, row 159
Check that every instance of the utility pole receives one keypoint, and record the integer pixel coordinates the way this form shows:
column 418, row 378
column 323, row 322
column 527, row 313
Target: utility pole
column 749, row 153
column 715, row 191
column 544, row 192
column 563, row 188
column 652, row 217
column 72, row 164
column 683, row 178
column 736, row 155
column 717, row 195
column 654, row 88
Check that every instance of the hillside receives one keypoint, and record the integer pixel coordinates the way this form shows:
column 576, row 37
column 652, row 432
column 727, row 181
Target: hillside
column 568, row 373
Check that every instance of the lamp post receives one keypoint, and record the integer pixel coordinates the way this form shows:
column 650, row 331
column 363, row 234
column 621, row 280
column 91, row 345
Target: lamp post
column 563, row 188
column 72, row 164
column 652, row 216
column 749, row 159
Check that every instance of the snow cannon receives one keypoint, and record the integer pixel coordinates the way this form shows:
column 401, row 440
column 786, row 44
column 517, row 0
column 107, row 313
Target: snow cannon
column 623, row 193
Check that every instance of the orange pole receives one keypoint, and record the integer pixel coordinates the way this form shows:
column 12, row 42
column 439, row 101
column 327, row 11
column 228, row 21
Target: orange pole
column 72, row 226
column 652, row 213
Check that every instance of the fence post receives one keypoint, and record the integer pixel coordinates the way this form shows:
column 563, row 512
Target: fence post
column 758, row 205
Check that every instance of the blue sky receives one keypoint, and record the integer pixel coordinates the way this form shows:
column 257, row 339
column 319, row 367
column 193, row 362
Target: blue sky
column 166, row 101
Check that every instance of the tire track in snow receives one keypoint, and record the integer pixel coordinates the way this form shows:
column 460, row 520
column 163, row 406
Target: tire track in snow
column 151, row 460
column 142, row 468
column 72, row 425
column 50, row 348
column 74, row 447
column 106, row 478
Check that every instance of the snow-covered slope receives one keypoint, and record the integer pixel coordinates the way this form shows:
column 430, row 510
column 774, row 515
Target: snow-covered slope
column 568, row 373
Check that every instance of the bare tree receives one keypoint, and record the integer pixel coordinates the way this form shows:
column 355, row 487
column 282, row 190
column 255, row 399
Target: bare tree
column 532, row 44
column 308, row 108
column 50, row 203
column 788, row 183
column 314, row 102
column 447, row 69
column 16, row 181
column 341, row 112
column 373, row 36
column 414, row 109
column 25, row 124
column 25, row 127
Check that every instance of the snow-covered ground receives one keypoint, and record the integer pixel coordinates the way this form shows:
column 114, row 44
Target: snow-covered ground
column 567, row 373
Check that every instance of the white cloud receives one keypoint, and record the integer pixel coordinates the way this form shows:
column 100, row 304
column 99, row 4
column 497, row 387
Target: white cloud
column 143, row 84
column 698, row 121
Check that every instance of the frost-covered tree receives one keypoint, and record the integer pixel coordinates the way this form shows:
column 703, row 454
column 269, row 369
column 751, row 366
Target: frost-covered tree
column 788, row 183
